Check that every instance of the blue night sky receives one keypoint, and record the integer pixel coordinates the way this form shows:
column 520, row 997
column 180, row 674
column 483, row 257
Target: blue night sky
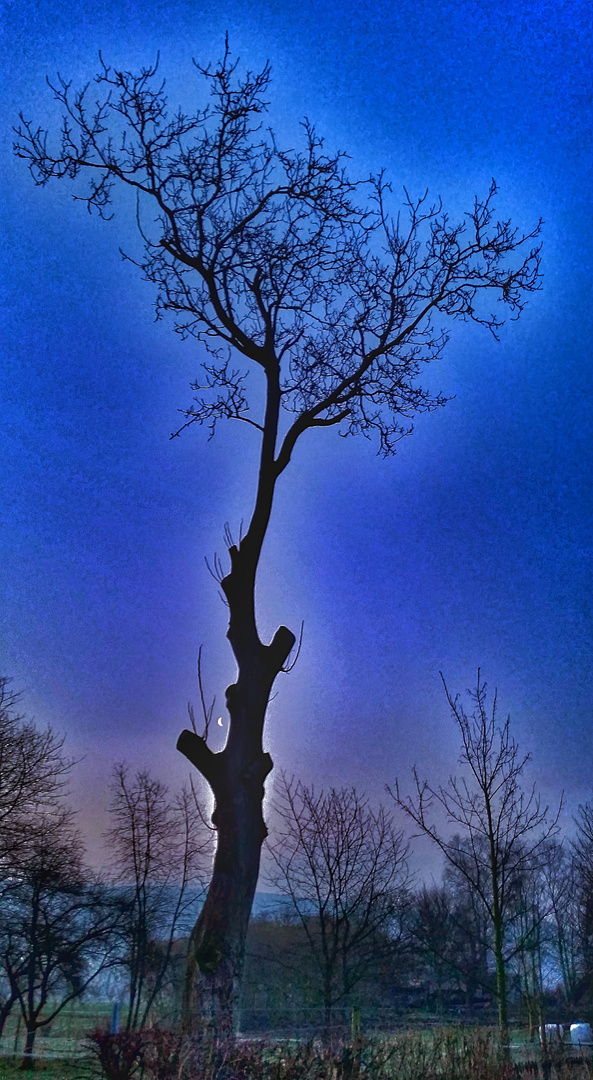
column 472, row 547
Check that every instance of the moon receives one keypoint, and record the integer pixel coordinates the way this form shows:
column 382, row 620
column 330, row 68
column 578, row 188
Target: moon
column 220, row 724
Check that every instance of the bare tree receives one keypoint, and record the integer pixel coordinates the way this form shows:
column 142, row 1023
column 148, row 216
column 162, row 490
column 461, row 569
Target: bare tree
column 344, row 869
column 529, row 948
column 558, row 883
column 33, row 775
column 451, row 934
column 504, row 829
column 436, row 945
column 161, row 852
column 582, row 849
column 278, row 264
column 57, row 926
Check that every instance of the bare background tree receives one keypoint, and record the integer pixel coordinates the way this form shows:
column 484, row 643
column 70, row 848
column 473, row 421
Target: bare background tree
column 529, row 943
column 344, row 929
column 160, row 856
column 582, row 850
column 344, row 870
column 450, row 930
column 560, row 885
column 57, row 927
column 504, row 829
column 33, row 775
column 278, row 264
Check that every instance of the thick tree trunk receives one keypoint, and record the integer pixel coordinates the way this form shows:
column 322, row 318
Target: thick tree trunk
column 236, row 776
column 217, row 943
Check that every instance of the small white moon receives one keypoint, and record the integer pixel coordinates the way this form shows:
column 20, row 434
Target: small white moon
column 220, row 721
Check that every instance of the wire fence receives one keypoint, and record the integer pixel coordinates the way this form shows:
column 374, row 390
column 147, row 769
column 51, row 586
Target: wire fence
column 66, row 1036
column 344, row 1022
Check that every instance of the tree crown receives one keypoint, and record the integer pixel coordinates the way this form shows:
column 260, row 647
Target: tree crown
column 276, row 258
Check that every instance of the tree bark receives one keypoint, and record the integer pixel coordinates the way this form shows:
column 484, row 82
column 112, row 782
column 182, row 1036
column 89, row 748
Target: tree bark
column 497, row 919
column 236, row 776
column 501, row 987
column 28, row 1061
column 5, row 1010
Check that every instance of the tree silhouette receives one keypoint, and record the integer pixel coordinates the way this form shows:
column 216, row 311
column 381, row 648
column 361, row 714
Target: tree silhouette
column 33, row 776
column 449, row 931
column 343, row 869
column 277, row 264
column 33, row 780
column 159, row 852
column 582, row 849
column 504, row 829
column 57, row 926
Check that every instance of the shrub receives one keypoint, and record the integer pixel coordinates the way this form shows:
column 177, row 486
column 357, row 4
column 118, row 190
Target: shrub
column 164, row 1054
column 120, row 1056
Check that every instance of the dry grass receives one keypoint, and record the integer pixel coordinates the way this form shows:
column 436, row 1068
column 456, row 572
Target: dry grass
column 443, row 1054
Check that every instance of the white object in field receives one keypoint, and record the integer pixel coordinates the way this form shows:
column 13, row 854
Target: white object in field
column 554, row 1033
column 580, row 1034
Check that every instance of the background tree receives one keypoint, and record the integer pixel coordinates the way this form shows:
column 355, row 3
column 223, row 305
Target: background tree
column 451, row 936
column 560, row 884
column 160, row 857
column 33, row 777
column 57, row 926
column 545, row 931
column 281, row 986
column 433, row 931
column 278, row 264
column 529, row 943
column 582, row 849
column 504, row 829
column 473, row 933
column 344, row 870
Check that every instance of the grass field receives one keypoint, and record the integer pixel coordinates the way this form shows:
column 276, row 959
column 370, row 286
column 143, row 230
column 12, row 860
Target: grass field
column 59, row 1069
column 61, row 1053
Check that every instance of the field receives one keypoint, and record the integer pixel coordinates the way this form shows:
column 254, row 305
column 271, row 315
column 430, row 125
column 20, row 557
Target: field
column 45, row 1070
column 62, row 1039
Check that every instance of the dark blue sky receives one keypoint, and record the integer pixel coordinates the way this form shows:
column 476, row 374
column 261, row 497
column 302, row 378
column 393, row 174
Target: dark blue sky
column 472, row 547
